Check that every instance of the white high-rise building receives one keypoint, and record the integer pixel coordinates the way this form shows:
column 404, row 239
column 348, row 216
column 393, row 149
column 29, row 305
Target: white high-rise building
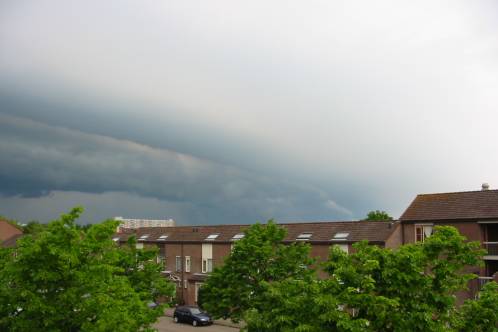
column 139, row 223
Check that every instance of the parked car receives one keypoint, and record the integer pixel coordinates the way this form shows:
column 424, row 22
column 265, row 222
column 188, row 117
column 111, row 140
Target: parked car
column 191, row 315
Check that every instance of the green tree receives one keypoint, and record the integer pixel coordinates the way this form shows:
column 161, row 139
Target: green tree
column 480, row 315
column 372, row 289
column 67, row 279
column 257, row 260
column 378, row 215
column 416, row 283
column 33, row 227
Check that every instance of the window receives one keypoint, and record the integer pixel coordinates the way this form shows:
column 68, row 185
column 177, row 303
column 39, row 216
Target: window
column 163, row 237
column 212, row 237
column 115, row 239
column 187, row 263
column 344, row 247
column 422, row 232
column 341, row 236
column 160, row 259
column 238, row 236
column 304, row 236
column 185, row 283
column 207, row 257
column 207, row 265
column 139, row 245
column 143, row 237
column 178, row 264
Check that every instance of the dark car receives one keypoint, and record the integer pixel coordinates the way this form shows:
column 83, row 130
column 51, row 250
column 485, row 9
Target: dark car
column 192, row 315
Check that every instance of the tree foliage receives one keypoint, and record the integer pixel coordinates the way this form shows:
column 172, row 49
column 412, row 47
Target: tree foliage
column 372, row 289
column 378, row 215
column 480, row 315
column 257, row 261
column 68, row 279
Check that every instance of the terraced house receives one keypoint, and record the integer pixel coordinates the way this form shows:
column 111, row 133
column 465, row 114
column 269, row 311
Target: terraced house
column 189, row 253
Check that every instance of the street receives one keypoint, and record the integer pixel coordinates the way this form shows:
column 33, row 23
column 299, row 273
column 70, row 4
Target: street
column 166, row 324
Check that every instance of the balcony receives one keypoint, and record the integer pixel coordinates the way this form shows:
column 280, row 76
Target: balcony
column 492, row 248
column 483, row 281
column 476, row 285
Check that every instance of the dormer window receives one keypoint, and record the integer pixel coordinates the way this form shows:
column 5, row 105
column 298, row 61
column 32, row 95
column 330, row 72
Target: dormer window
column 212, row 237
column 143, row 237
column 162, row 237
column 238, row 236
column 304, row 236
column 341, row 236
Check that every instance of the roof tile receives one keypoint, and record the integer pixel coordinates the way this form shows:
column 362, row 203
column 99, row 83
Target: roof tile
column 482, row 204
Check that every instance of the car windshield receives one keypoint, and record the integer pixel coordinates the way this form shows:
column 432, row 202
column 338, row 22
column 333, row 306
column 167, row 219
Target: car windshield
column 195, row 311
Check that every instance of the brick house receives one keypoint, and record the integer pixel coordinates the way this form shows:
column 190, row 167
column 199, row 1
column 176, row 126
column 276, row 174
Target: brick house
column 8, row 234
column 473, row 213
column 189, row 253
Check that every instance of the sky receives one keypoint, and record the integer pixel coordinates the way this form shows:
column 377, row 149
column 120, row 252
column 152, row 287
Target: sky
column 222, row 111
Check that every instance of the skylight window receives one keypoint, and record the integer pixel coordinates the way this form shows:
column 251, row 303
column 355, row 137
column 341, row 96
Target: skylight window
column 143, row 237
column 163, row 237
column 304, row 236
column 238, row 236
column 212, row 237
column 340, row 236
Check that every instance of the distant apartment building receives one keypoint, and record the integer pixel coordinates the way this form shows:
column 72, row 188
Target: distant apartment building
column 190, row 253
column 140, row 223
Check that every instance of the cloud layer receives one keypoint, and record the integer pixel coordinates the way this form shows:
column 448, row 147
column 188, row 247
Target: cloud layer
column 39, row 159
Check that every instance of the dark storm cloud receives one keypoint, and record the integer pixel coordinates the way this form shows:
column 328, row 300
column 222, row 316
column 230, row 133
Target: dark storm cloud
column 223, row 111
column 38, row 159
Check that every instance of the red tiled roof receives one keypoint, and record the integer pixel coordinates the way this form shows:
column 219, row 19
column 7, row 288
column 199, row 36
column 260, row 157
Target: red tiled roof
column 373, row 231
column 11, row 241
column 482, row 204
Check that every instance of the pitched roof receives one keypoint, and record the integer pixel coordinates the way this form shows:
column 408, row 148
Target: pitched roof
column 11, row 241
column 373, row 231
column 7, row 230
column 482, row 204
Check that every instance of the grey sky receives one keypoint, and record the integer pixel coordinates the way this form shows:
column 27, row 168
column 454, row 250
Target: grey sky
column 225, row 111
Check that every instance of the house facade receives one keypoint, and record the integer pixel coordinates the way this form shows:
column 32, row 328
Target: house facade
column 190, row 253
column 473, row 213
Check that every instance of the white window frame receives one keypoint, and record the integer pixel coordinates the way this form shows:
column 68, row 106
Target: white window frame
column 304, row 236
column 207, row 265
column 341, row 236
column 238, row 236
column 143, row 237
column 207, row 256
column 212, row 237
column 185, row 283
column 188, row 263
column 426, row 229
column 178, row 263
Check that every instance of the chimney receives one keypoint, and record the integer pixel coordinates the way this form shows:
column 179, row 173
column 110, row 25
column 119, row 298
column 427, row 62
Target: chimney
column 485, row 186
